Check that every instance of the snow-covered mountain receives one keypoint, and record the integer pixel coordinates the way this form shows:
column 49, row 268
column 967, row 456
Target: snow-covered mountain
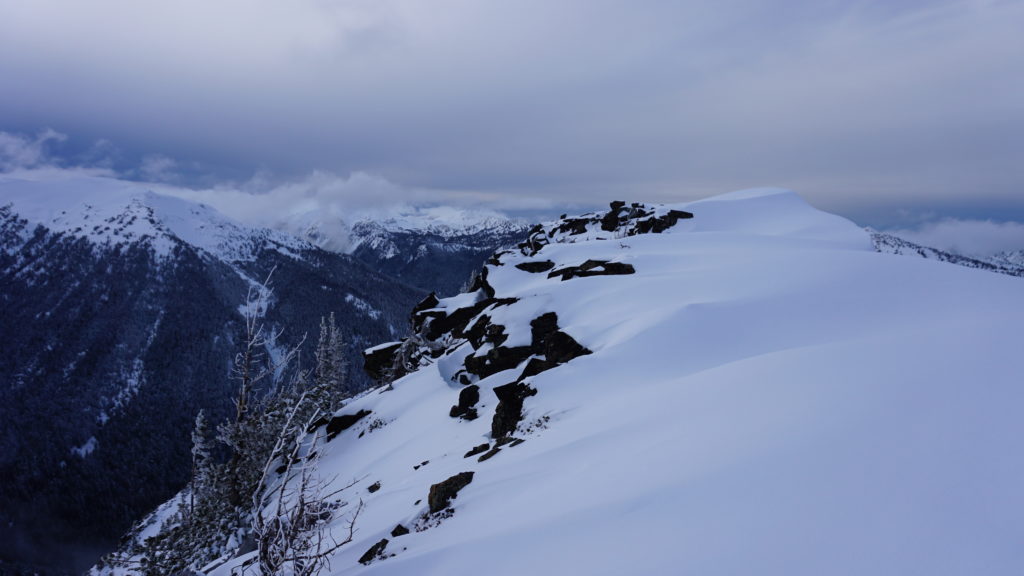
column 432, row 248
column 119, row 316
column 1011, row 263
column 753, row 389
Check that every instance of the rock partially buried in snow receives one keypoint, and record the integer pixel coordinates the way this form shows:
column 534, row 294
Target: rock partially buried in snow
column 339, row 424
column 442, row 493
column 375, row 552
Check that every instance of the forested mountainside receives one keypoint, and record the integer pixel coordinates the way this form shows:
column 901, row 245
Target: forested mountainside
column 119, row 317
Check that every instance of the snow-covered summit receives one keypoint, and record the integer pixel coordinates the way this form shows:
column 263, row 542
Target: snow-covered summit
column 107, row 212
column 736, row 385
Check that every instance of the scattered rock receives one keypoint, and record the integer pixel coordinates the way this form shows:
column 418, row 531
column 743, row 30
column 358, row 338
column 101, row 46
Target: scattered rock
column 477, row 450
column 443, row 492
column 377, row 361
column 376, row 551
column 560, row 348
column 536, row 266
column 593, row 268
column 509, row 410
column 339, row 424
column 490, row 454
column 373, row 487
column 399, row 531
column 468, row 398
column 536, row 366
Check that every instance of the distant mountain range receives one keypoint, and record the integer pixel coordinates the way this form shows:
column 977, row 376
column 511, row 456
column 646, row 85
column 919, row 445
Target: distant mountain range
column 119, row 317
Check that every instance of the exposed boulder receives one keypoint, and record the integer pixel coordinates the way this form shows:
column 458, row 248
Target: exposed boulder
column 477, row 450
column 468, row 398
column 399, row 531
column 593, row 268
column 375, row 552
column 509, row 411
column 339, row 424
column 442, row 493
column 536, row 266
column 377, row 361
column 497, row 359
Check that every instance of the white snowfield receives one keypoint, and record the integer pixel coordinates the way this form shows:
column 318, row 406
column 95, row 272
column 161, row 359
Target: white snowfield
column 766, row 395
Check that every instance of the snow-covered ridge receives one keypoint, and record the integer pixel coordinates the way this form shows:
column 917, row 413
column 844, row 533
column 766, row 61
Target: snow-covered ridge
column 1010, row 263
column 109, row 212
column 753, row 389
column 347, row 232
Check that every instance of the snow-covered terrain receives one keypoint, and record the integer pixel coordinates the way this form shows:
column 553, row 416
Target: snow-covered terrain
column 1011, row 263
column 761, row 392
column 374, row 229
column 108, row 212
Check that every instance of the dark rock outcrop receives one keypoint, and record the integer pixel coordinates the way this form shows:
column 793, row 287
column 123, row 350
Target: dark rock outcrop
column 468, row 398
column 593, row 268
column 377, row 361
column 477, row 450
column 339, row 424
column 399, row 531
column 442, row 493
column 509, row 410
column 375, row 552
column 536, row 266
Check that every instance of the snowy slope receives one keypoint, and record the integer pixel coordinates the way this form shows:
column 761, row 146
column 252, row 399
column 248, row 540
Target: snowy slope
column 107, row 212
column 766, row 394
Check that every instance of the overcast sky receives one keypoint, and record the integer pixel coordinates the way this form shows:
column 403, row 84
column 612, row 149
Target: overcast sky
column 888, row 112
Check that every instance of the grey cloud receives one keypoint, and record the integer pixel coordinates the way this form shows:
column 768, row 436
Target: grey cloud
column 18, row 151
column 850, row 103
column 977, row 238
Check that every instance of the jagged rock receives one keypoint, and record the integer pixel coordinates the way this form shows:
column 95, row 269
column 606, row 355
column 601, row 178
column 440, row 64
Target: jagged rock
column 373, row 487
column 427, row 303
column 536, row 266
column 376, row 551
column 593, row 268
column 496, row 360
column 509, row 410
column 477, row 450
column 659, row 224
column 443, row 492
column 490, row 454
column 560, row 348
column 377, row 361
column 536, row 366
column 399, row 531
column 477, row 331
column 468, row 398
column 339, row 424
column 541, row 327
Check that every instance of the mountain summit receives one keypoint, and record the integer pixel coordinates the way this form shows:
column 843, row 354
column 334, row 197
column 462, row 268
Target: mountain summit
column 736, row 385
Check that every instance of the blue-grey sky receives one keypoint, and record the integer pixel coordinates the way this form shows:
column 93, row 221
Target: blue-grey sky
column 888, row 112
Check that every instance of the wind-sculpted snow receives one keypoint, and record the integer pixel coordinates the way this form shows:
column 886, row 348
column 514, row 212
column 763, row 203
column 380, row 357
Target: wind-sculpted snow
column 763, row 394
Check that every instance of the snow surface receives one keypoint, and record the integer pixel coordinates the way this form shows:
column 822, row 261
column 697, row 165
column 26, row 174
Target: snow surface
column 767, row 395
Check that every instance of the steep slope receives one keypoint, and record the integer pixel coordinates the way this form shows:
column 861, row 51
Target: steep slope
column 750, row 390
column 119, row 318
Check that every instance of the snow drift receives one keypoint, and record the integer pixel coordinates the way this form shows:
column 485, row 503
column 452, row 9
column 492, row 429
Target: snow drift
column 755, row 390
